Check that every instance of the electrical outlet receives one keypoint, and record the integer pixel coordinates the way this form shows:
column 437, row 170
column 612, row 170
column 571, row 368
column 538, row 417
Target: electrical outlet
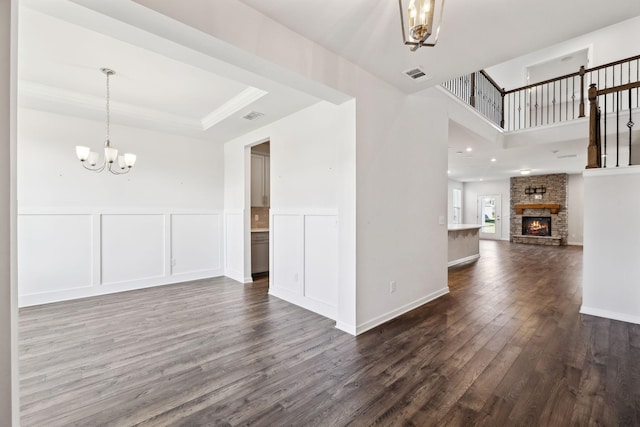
column 257, row 217
column 173, row 262
column 392, row 286
column 295, row 277
column 441, row 220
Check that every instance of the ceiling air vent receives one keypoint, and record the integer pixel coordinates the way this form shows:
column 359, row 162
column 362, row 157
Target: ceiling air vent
column 252, row 115
column 417, row 74
column 568, row 156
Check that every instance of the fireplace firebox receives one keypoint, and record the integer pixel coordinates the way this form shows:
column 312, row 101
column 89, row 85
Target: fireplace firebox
column 536, row 225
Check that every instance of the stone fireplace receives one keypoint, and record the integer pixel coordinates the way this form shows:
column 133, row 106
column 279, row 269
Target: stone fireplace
column 539, row 209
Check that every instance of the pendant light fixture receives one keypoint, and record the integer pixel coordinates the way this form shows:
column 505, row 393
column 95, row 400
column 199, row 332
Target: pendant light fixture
column 424, row 18
column 115, row 164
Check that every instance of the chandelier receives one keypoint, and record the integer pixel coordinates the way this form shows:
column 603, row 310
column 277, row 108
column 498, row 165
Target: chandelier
column 420, row 22
column 115, row 164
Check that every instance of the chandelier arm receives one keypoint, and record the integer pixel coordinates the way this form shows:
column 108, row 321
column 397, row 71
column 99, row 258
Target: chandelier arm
column 94, row 169
column 116, row 171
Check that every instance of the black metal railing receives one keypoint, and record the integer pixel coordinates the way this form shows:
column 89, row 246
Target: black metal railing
column 481, row 92
column 552, row 101
column 611, row 125
column 548, row 102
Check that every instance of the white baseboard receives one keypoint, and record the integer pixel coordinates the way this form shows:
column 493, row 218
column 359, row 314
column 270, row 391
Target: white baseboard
column 322, row 309
column 574, row 243
column 238, row 276
column 399, row 311
column 461, row 260
column 613, row 315
column 345, row 327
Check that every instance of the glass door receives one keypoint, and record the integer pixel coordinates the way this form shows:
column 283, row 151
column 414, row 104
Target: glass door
column 489, row 217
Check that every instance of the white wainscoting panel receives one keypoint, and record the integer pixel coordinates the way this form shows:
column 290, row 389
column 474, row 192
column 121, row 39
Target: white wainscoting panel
column 195, row 243
column 75, row 253
column 321, row 259
column 304, row 259
column 234, row 245
column 132, row 248
column 55, row 252
column 287, row 255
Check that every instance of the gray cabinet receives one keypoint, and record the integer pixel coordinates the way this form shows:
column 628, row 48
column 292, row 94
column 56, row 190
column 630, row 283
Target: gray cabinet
column 260, row 185
column 259, row 252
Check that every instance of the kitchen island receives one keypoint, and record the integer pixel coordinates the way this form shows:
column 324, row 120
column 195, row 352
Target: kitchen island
column 464, row 243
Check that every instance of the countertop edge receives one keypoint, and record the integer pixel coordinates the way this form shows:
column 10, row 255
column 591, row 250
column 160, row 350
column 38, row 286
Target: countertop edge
column 460, row 227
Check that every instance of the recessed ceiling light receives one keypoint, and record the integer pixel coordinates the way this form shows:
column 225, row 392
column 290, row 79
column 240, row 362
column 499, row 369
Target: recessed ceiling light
column 493, row 159
column 469, row 149
column 525, row 171
column 448, row 171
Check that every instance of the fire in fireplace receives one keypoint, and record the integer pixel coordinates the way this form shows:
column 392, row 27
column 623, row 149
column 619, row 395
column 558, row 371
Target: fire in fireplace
column 536, row 225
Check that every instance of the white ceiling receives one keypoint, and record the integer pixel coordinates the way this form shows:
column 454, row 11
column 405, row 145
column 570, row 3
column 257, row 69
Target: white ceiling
column 59, row 59
column 541, row 156
column 164, row 86
column 474, row 35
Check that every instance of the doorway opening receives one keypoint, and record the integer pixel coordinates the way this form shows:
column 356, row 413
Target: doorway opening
column 260, row 204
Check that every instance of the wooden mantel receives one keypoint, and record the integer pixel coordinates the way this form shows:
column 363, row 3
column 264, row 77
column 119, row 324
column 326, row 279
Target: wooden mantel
column 553, row 207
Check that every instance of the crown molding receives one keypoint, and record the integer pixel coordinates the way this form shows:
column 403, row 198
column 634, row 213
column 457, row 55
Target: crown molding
column 36, row 91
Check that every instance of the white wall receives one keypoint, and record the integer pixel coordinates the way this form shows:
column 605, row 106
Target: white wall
column 82, row 234
column 470, row 196
column 172, row 172
column 8, row 300
column 575, row 196
column 611, row 271
column 451, row 185
column 401, row 150
column 310, row 165
column 606, row 45
column 401, row 193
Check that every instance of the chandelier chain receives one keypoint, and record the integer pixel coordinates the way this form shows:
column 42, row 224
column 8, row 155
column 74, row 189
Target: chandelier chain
column 108, row 107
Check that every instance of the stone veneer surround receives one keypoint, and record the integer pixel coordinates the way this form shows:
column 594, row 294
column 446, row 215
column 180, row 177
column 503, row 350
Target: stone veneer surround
column 556, row 185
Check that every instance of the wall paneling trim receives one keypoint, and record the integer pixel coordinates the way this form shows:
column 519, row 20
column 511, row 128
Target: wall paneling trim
column 74, row 253
column 304, row 259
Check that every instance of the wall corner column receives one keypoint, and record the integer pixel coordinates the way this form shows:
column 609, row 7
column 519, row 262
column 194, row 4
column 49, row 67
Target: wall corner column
column 9, row 403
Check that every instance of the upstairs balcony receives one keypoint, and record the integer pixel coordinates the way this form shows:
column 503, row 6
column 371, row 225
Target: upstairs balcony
column 615, row 97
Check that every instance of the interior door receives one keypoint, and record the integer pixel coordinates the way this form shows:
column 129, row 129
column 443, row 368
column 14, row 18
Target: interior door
column 489, row 216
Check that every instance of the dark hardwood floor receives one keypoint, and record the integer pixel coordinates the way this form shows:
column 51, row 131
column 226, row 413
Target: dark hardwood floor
column 507, row 346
